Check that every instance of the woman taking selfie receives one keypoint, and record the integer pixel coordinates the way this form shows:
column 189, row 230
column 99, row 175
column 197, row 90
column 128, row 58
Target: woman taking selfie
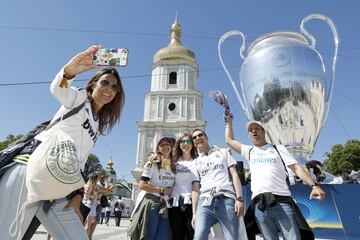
column 180, row 214
column 150, row 218
column 103, row 99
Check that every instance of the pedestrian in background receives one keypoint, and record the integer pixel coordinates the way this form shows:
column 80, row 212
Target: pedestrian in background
column 118, row 210
column 108, row 212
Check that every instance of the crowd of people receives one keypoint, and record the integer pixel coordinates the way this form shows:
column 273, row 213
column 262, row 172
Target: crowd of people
column 187, row 186
column 191, row 174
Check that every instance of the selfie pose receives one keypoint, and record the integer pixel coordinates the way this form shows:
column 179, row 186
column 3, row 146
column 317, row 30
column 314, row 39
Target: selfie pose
column 103, row 100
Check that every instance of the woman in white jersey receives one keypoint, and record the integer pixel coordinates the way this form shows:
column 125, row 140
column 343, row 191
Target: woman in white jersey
column 181, row 212
column 150, row 218
column 104, row 99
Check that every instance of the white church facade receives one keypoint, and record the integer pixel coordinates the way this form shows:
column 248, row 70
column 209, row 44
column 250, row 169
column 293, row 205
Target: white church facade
column 173, row 105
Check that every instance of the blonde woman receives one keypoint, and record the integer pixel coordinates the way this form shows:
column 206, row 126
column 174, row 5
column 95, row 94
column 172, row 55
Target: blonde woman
column 180, row 214
column 93, row 191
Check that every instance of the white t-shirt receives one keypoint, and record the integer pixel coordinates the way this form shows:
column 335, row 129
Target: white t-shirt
column 267, row 170
column 212, row 170
column 81, row 127
column 164, row 177
column 183, row 181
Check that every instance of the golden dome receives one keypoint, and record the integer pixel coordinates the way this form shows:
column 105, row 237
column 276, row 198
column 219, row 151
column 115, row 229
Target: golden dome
column 175, row 51
column 109, row 169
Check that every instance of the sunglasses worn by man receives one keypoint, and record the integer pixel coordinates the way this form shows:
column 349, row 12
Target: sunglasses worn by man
column 197, row 136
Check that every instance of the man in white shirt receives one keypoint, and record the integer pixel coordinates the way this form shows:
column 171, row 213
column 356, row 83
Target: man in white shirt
column 271, row 202
column 219, row 199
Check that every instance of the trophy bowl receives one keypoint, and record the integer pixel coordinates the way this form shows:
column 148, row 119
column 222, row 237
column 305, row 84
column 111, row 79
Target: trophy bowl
column 284, row 85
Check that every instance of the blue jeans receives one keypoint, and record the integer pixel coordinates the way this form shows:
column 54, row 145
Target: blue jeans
column 281, row 217
column 60, row 224
column 222, row 210
column 157, row 227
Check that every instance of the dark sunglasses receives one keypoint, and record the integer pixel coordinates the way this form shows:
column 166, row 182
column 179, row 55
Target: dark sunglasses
column 104, row 82
column 186, row 141
column 197, row 136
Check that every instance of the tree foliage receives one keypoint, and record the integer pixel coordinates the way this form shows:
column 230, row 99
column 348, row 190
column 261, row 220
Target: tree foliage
column 9, row 139
column 92, row 165
column 343, row 158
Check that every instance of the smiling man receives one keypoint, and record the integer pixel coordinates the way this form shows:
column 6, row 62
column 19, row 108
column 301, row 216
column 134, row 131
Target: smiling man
column 272, row 207
column 219, row 199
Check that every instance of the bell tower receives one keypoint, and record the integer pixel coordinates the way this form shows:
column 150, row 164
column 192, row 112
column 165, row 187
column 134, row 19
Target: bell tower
column 173, row 105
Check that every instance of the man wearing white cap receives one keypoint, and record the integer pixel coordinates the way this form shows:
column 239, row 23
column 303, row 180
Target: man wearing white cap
column 272, row 206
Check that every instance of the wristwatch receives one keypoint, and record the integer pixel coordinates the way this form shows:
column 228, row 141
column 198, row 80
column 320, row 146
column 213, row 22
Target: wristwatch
column 314, row 185
column 240, row 199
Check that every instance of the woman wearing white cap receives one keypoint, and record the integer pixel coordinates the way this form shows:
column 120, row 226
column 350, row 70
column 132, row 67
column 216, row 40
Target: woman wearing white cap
column 150, row 218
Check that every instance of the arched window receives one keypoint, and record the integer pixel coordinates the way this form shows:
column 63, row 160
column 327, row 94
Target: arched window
column 172, row 78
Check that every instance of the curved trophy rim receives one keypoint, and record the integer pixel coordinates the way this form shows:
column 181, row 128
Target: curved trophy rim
column 269, row 35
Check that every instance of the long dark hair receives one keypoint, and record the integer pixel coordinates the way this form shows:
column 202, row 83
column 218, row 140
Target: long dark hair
column 110, row 113
column 177, row 152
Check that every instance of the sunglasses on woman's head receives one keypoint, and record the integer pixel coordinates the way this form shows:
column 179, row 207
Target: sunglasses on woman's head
column 187, row 141
column 104, row 82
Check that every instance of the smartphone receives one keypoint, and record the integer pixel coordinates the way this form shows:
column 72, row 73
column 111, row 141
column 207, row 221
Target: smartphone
column 111, row 57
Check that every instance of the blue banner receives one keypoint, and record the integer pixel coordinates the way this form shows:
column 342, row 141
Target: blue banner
column 337, row 217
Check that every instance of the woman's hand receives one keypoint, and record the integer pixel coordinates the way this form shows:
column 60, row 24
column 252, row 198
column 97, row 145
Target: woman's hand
column 75, row 204
column 167, row 191
column 81, row 62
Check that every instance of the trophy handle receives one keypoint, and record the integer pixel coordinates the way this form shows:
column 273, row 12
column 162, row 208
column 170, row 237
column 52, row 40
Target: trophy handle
column 313, row 45
column 241, row 99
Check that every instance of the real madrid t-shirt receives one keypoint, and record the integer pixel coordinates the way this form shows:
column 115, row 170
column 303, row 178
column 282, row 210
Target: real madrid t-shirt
column 267, row 170
column 81, row 127
column 212, row 169
column 156, row 177
column 184, row 178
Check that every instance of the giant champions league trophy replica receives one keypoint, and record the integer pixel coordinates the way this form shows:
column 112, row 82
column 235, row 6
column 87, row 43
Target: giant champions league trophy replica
column 284, row 86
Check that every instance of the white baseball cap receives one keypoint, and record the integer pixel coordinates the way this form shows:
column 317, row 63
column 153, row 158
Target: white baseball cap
column 254, row 122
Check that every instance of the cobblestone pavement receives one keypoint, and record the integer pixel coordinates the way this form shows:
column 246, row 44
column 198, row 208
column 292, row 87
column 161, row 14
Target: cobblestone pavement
column 102, row 232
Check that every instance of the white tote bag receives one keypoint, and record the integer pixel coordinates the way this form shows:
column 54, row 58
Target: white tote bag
column 53, row 169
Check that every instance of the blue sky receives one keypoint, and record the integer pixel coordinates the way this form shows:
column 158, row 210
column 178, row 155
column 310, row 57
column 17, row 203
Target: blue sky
column 38, row 37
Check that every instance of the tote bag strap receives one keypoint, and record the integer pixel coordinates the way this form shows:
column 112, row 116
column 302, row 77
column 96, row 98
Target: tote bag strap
column 67, row 115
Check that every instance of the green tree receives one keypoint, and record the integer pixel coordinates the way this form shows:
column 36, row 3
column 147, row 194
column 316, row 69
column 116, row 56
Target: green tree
column 343, row 158
column 9, row 139
column 92, row 165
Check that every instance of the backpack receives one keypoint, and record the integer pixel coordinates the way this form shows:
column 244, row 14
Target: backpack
column 104, row 202
column 7, row 154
